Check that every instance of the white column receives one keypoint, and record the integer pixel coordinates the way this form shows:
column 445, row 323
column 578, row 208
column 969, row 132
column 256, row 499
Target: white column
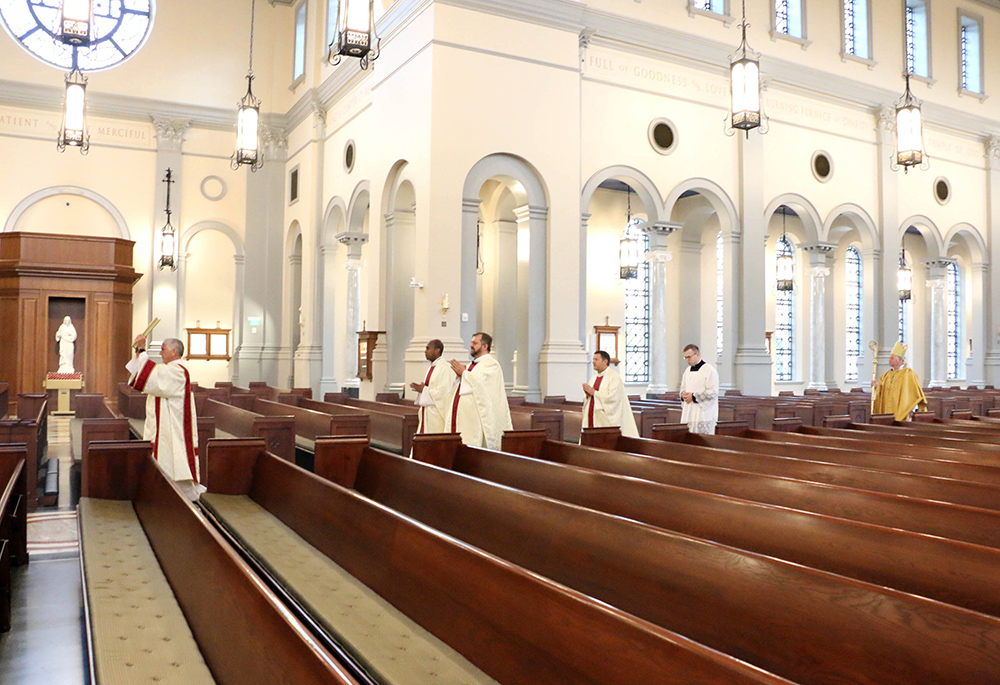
column 328, row 379
column 354, row 242
column 657, row 257
column 752, row 364
column 467, row 301
column 871, row 268
column 974, row 369
column 991, row 305
column 887, row 295
column 505, row 283
column 166, row 295
column 730, row 308
column 937, row 285
column 535, row 220
column 819, row 270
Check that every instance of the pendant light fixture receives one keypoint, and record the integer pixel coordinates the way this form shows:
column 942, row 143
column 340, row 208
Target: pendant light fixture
column 73, row 132
column 784, row 262
column 909, row 131
column 167, row 236
column 75, row 19
column 248, row 118
column 355, row 35
column 628, row 247
column 904, row 278
column 744, row 80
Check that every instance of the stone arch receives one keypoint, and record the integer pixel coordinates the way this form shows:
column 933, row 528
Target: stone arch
column 927, row 229
column 358, row 207
column 334, row 223
column 334, row 220
column 858, row 219
column 641, row 184
column 531, row 199
column 809, row 218
column 729, row 218
column 398, row 249
column 39, row 195
column 970, row 236
column 973, row 267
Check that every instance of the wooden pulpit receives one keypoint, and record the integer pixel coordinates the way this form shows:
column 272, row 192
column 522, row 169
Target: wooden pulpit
column 44, row 277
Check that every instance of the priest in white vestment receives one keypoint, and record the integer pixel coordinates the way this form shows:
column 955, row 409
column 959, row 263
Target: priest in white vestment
column 700, row 393
column 171, row 424
column 435, row 393
column 606, row 402
column 479, row 411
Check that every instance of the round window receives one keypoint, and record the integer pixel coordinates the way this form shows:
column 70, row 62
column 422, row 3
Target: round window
column 118, row 30
column 662, row 135
column 349, row 156
column 942, row 190
column 822, row 166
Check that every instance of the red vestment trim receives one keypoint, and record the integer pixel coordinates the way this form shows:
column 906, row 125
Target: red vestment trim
column 156, row 438
column 189, row 447
column 143, row 376
column 454, row 406
column 590, row 411
column 423, row 410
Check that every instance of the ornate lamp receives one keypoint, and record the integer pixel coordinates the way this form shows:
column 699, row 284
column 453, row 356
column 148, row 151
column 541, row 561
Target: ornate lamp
column 904, row 278
column 628, row 247
column 73, row 131
column 355, row 35
column 744, row 73
column 909, row 131
column 75, row 20
column 167, row 237
column 248, row 118
column 784, row 262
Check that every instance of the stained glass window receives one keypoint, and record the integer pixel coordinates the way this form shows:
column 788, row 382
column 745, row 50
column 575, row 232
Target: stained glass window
column 637, row 316
column 856, row 28
column 119, row 29
column 788, row 17
column 717, row 6
column 784, row 322
column 852, row 268
column 719, row 293
column 970, row 44
column 954, row 297
column 904, row 319
column 917, row 48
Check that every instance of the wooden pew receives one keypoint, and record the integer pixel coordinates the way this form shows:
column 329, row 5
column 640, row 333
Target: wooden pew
column 930, row 566
column 650, row 460
column 13, row 522
column 4, row 399
column 390, row 428
column 31, row 429
column 514, row 626
column 238, row 626
column 277, row 431
column 309, row 424
column 784, row 618
column 973, row 452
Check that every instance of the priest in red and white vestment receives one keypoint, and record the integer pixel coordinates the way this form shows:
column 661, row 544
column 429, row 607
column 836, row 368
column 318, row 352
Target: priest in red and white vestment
column 434, row 394
column 171, row 424
column 606, row 402
column 479, row 409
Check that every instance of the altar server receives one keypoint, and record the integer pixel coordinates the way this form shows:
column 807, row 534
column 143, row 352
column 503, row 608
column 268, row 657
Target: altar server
column 606, row 402
column 434, row 394
column 171, row 424
column 479, row 411
column 700, row 393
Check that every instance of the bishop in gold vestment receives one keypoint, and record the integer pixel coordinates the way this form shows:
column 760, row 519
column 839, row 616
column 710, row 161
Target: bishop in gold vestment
column 898, row 391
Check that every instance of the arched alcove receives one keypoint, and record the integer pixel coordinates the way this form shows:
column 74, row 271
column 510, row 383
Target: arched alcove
column 65, row 209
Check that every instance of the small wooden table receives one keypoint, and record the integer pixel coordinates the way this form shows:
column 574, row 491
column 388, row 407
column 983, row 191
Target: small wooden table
column 63, row 382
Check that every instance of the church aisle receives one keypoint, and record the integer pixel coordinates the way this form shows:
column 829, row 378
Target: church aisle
column 45, row 643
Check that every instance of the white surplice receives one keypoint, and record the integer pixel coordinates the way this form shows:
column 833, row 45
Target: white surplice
column 702, row 414
column 171, row 424
column 480, row 412
column 609, row 405
column 434, row 400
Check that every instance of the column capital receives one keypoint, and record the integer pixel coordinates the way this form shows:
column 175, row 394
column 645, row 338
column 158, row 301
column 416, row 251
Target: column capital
column 819, row 255
column 354, row 242
column 885, row 119
column 819, row 248
column 170, row 132
column 530, row 212
column 992, row 151
column 661, row 228
column 819, row 271
column 274, row 141
column 937, row 264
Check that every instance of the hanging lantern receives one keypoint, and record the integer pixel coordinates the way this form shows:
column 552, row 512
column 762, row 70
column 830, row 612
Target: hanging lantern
column 629, row 252
column 73, row 132
column 248, row 118
column 744, row 74
column 784, row 262
column 75, row 21
column 167, row 235
column 355, row 36
column 904, row 278
column 909, row 131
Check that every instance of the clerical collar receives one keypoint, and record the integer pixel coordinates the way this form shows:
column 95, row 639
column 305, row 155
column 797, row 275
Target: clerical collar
column 697, row 367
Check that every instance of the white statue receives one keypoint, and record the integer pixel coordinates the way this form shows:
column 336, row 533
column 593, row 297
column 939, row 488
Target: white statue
column 66, row 337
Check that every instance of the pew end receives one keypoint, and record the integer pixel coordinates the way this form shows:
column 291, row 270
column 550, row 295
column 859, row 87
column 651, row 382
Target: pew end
column 437, row 449
column 837, row 421
column 883, row 419
column 112, row 468
column 527, row 443
column 787, row 424
column 337, row 459
column 924, row 417
column 737, row 428
column 603, row 438
column 670, row 432
column 229, row 464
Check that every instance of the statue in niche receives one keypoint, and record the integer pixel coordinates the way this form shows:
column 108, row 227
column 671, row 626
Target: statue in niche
column 66, row 337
